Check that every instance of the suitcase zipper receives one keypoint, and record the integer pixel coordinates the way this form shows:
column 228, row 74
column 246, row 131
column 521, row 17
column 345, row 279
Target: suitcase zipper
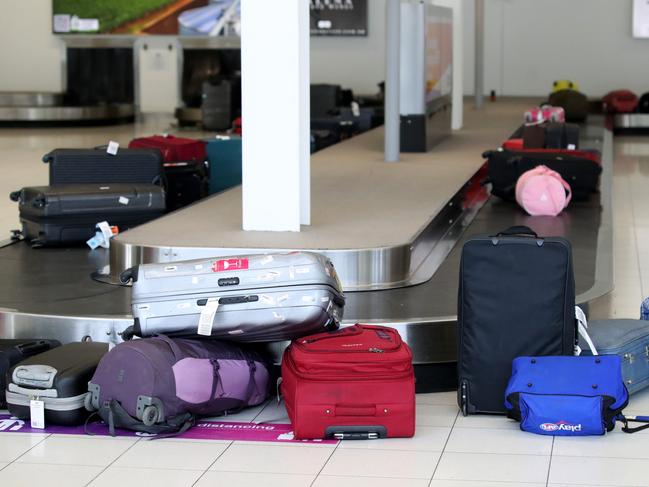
column 338, row 377
column 301, row 344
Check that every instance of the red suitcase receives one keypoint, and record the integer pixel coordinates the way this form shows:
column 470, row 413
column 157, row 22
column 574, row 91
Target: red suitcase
column 355, row 383
column 173, row 149
column 620, row 101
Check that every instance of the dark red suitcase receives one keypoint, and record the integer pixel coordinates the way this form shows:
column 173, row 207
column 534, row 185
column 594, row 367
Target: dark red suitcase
column 620, row 101
column 355, row 383
column 173, row 149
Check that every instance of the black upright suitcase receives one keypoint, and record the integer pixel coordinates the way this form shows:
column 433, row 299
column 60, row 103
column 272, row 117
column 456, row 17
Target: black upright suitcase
column 552, row 135
column 562, row 136
column 59, row 378
column 187, row 183
column 221, row 102
column 643, row 103
column 67, row 214
column 13, row 351
column 325, row 99
column 516, row 297
column 96, row 166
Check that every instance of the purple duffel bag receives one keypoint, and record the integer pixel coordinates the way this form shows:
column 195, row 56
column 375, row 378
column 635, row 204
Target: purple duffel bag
column 161, row 385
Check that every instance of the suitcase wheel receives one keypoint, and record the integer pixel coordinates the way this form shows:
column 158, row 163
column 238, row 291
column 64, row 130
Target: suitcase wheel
column 150, row 415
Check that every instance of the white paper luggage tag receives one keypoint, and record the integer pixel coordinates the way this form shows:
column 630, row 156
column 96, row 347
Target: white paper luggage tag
column 112, row 147
column 37, row 413
column 206, row 321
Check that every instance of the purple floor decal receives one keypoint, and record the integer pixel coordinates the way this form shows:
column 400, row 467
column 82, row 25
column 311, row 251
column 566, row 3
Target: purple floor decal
column 204, row 430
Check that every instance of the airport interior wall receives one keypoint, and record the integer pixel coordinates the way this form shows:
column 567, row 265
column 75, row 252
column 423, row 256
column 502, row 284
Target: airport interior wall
column 575, row 37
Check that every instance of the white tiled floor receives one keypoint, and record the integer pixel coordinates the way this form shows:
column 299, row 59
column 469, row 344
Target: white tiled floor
column 487, row 451
column 448, row 449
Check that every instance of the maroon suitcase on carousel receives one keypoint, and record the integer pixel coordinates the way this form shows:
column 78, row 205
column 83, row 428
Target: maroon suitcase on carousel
column 185, row 167
column 354, row 383
column 620, row 101
column 173, row 149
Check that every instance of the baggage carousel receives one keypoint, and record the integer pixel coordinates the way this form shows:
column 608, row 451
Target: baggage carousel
column 49, row 292
column 47, row 109
column 631, row 123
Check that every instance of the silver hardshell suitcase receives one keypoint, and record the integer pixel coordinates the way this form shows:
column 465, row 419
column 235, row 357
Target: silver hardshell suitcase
column 249, row 298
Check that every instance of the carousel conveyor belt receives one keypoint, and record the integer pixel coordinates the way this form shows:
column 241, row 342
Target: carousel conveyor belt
column 49, row 293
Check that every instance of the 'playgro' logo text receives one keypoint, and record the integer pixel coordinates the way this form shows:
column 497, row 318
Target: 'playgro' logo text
column 560, row 426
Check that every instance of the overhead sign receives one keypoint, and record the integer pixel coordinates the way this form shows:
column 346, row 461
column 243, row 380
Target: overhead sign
column 338, row 17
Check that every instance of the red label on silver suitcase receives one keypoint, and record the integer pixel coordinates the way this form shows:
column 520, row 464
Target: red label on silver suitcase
column 230, row 265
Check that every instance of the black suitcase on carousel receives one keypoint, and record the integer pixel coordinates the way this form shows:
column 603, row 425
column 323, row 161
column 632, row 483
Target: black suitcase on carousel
column 13, row 351
column 96, row 166
column 68, row 213
column 325, row 99
column 187, row 182
column 516, row 298
column 552, row 135
column 580, row 168
column 59, row 378
column 337, row 125
column 221, row 102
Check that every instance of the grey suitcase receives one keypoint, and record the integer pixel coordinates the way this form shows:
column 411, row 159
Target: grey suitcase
column 250, row 298
column 630, row 340
column 67, row 213
column 59, row 378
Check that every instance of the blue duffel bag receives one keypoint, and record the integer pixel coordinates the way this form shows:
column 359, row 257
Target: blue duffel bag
column 568, row 396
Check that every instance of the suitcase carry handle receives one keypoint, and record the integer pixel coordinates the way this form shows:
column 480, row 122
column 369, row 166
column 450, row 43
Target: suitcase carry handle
column 34, row 347
column 370, row 432
column 365, row 410
column 518, row 230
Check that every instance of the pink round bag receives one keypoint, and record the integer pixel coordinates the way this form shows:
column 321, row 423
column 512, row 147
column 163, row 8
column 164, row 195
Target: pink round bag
column 542, row 191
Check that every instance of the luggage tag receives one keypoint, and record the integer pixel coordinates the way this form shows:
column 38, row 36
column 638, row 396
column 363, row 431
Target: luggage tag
column 206, row 320
column 103, row 233
column 356, row 109
column 37, row 413
column 112, row 148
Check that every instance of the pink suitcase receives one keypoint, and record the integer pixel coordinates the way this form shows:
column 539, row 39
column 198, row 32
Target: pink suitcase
column 545, row 113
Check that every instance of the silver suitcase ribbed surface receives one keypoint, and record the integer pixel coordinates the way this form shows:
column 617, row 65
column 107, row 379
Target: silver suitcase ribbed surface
column 249, row 298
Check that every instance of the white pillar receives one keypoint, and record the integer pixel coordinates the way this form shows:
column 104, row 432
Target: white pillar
column 275, row 112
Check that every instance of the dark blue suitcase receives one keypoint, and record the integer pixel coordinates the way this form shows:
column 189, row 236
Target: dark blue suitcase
column 630, row 340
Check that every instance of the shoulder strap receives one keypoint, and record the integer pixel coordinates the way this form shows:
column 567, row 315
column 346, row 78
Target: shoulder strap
column 566, row 187
column 551, row 172
column 582, row 328
column 175, row 349
column 633, row 419
column 118, row 417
